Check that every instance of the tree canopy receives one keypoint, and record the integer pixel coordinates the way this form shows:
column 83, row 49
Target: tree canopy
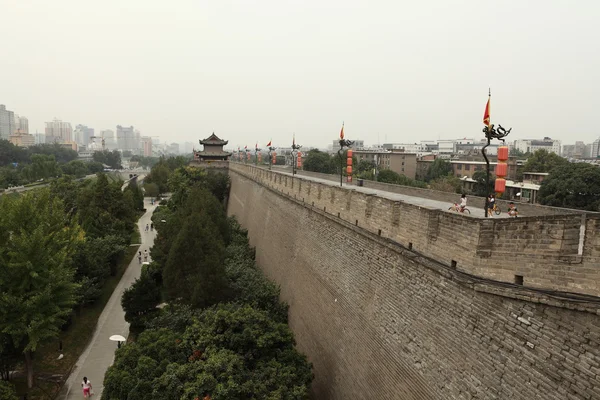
column 37, row 244
column 572, row 185
column 543, row 161
column 389, row 176
column 438, row 169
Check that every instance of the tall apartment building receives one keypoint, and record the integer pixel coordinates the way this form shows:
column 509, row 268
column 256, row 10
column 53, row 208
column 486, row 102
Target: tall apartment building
column 59, row 131
column 21, row 124
column 39, row 138
column 533, row 145
column 82, row 135
column 128, row 139
column 7, row 122
column 146, row 146
column 110, row 142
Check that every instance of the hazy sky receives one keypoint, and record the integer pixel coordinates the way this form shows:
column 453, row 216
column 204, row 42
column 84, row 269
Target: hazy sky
column 395, row 71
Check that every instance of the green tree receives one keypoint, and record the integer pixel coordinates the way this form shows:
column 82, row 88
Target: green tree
column 37, row 242
column 61, row 154
column 7, row 391
column 140, row 300
column 42, row 167
column 151, row 189
column 479, row 188
column 317, row 161
column 159, row 175
column 76, row 168
column 572, row 185
column 110, row 158
column 10, row 356
column 9, row 153
column 447, row 183
column 544, row 161
column 136, row 194
column 389, row 176
column 438, row 169
column 194, row 272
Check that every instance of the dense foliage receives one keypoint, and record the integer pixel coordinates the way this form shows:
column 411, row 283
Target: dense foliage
column 318, row 161
column 544, row 161
column 21, row 166
column 438, row 169
column 389, row 176
column 224, row 332
column 110, row 158
column 572, row 185
column 58, row 246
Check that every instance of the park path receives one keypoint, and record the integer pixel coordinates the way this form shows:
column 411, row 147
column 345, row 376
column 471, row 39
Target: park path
column 100, row 352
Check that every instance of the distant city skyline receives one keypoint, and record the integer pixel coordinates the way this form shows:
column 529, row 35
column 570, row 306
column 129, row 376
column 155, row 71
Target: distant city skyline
column 392, row 71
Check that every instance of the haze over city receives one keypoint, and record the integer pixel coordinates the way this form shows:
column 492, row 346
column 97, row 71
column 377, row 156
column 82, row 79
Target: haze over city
column 254, row 71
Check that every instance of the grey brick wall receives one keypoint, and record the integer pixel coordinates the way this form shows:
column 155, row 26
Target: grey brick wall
column 543, row 249
column 381, row 322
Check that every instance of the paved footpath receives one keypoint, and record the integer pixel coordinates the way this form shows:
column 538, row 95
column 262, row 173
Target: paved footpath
column 100, row 352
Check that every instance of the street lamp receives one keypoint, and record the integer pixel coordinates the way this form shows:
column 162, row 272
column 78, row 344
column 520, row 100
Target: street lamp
column 271, row 150
column 343, row 143
column 256, row 150
column 295, row 148
column 491, row 133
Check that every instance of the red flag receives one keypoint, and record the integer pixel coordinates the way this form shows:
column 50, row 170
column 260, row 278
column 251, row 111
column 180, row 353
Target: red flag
column 486, row 114
column 269, row 144
column 342, row 131
column 246, row 147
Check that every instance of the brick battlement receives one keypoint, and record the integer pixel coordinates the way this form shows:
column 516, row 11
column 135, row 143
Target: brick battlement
column 554, row 252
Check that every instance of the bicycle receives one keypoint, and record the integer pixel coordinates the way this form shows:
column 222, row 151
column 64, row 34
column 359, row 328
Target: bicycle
column 496, row 210
column 459, row 209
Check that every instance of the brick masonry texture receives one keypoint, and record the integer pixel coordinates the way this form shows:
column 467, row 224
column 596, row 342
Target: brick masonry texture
column 381, row 322
column 543, row 249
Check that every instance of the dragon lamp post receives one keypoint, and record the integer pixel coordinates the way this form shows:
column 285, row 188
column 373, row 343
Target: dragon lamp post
column 256, row 150
column 295, row 148
column 343, row 143
column 271, row 150
column 491, row 133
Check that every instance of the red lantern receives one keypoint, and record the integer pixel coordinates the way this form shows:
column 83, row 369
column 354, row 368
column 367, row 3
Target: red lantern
column 502, row 153
column 259, row 157
column 249, row 156
column 299, row 160
column 500, row 185
column 501, row 169
column 274, row 159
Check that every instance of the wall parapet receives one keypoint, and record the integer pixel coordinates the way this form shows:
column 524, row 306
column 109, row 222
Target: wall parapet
column 551, row 252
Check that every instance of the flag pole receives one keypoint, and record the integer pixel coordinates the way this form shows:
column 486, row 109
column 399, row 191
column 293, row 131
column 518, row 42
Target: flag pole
column 487, row 161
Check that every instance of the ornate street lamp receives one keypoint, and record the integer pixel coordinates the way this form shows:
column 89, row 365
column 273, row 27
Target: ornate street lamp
column 343, row 143
column 271, row 154
column 295, row 148
column 491, row 132
column 256, row 150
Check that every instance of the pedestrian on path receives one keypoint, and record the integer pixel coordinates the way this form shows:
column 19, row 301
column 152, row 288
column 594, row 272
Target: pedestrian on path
column 140, row 256
column 146, row 227
column 146, row 255
column 151, row 227
column 87, row 387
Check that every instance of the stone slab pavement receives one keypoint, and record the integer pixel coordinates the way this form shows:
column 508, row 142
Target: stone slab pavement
column 100, row 352
column 419, row 201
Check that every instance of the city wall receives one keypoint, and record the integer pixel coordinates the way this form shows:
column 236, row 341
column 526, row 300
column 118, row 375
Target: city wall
column 555, row 252
column 381, row 321
column 525, row 209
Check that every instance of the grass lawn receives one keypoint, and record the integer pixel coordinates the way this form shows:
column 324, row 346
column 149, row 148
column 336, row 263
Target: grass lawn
column 75, row 338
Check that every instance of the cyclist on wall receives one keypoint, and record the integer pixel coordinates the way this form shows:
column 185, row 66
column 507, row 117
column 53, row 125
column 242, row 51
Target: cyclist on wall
column 463, row 202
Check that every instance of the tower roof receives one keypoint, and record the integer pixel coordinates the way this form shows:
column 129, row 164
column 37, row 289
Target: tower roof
column 213, row 140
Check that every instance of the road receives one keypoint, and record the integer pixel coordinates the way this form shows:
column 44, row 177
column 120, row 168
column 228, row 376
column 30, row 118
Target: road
column 100, row 352
column 418, row 201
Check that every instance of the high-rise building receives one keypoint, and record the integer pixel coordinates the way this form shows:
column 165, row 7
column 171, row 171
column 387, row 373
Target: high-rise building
column 188, row 148
column 146, row 146
column 128, row 139
column 173, row 148
column 21, row 124
column 82, row 135
column 7, row 122
column 595, row 149
column 39, row 138
column 58, row 131
column 110, row 142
